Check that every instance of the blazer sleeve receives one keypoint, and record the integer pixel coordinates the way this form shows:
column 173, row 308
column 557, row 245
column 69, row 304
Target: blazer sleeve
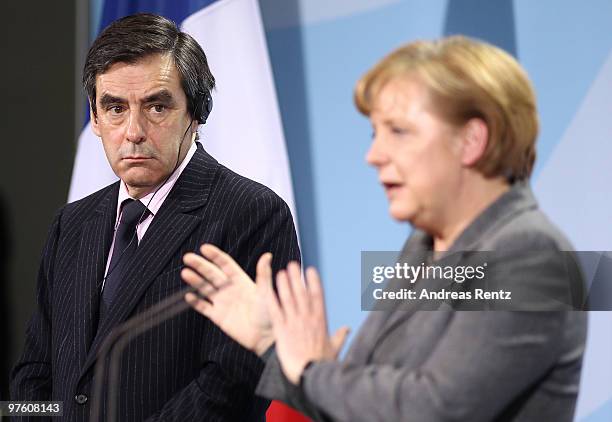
column 225, row 387
column 482, row 363
column 31, row 376
column 275, row 385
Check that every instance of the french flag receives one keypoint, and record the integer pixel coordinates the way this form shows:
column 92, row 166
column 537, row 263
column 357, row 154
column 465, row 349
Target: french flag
column 244, row 131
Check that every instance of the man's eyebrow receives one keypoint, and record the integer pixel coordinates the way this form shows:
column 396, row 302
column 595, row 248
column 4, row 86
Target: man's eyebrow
column 163, row 96
column 108, row 99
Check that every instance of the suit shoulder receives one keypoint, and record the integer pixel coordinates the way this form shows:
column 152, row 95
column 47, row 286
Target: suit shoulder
column 81, row 208
column 246, row 190
column 530, row 230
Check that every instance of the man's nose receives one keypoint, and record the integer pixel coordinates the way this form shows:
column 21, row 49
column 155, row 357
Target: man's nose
column 135, row 128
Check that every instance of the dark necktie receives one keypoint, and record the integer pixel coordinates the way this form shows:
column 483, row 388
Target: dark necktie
column 126, row 242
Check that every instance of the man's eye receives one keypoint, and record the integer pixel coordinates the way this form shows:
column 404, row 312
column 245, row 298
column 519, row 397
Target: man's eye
column 159, row 108
column 397, row 130
column 115, row 109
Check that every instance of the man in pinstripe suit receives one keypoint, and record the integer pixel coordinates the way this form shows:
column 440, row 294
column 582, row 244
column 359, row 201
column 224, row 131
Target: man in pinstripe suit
column 149, row 87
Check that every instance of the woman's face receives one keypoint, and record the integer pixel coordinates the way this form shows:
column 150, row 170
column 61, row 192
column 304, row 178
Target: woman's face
column 416, row 153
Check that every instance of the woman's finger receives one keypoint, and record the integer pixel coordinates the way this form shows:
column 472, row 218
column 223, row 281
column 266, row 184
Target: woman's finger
column 263, row 272
column 315, row 291
column 224, row 261
column 198, row 304
column 298, row 288
column 206, row 269
column 274, row 308
column 285, row 294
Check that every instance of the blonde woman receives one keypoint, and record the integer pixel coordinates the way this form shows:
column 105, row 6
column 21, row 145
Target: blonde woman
column 455, row 125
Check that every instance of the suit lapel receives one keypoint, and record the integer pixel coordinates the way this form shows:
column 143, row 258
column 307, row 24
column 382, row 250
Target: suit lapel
column 179, row 215
column 406, row 309
column 516, row 200
column 94, row 244
column 381, row 322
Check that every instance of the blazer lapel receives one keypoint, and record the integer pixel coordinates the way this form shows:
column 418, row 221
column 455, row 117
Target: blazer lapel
column 179, row 215
column 95, row 240
column 516, row 200
column 381, row 322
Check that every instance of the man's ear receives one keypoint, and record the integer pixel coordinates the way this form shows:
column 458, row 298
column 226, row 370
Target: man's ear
column 94, row 122
column 475, row 137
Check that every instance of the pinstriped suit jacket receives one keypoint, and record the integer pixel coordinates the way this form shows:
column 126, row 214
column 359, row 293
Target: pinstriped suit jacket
column 186, row 368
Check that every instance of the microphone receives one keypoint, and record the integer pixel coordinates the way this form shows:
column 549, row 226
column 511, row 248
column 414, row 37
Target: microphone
column 124, row 333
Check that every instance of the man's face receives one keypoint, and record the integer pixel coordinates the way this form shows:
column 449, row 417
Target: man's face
column 415, row 152
column 142, row 118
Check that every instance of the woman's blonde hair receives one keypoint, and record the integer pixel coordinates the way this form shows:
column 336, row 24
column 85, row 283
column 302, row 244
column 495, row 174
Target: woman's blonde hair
column 468, row 79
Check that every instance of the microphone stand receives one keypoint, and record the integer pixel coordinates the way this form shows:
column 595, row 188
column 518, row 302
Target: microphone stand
column 122, row 335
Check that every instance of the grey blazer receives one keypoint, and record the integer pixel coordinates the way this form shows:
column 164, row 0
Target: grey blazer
column 447, row 365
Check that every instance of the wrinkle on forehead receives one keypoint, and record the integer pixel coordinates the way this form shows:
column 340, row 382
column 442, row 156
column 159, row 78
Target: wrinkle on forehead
column 139, row 78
